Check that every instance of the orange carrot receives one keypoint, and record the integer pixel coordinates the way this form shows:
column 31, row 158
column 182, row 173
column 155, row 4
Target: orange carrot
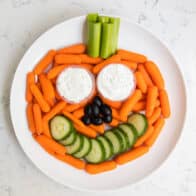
column 73, row 107
column 90, row 60
column 157, row 104
column 73, row 49
column 67, row 59
column 47, row 89
column 30, row 80
column 131, row 56
column 54, row 72
column 37, row 118
column 155, row 74
column 87, row 66
column 165, row 106
column 30, row 118
column 114, row 123
column 55, row 110
column 139, row 106
column 98, row 128
column 44, row 62
column 48, row 143
column 39, row 98
column 115, row 114
column 144, row 137
column 77, row 163
column 73, row 118
column 113, row 104
column 145, row 75
column 46, row 129
column 113, row 59
column 79, row 113
column 155, row 115
column 128, row 105
column 157, row 129
column 101, row 167
column 85, row 130
column 129, row 64
column 141, row 84
column 151, row 100
column 131, row 155
column 57, row 96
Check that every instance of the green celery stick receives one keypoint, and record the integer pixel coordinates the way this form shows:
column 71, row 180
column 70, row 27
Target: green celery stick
column 106, row 40
column 92, row 17
column 94, row 38
column 116, row 23
column 103, row 19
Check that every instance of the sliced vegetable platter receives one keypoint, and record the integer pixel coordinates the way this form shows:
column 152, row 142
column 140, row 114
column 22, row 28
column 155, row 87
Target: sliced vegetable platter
column 109, row 145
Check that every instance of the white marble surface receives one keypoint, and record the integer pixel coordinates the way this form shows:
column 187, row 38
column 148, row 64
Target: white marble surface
column 22, row 21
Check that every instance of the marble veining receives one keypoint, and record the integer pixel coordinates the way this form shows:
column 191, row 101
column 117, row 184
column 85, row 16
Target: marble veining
column 22, row 21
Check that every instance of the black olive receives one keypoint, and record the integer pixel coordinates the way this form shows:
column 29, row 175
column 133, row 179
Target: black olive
column 107, row 118
column 88, row 110
column 96, row 120
column 95, row 109
column 97, row 101
column 86, row 120
column 105, row 110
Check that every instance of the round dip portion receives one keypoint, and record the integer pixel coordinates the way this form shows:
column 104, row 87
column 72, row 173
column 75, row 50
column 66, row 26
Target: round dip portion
column 75, row 84
column 116, row 82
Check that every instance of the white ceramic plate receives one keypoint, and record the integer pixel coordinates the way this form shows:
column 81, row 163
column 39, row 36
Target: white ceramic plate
column 134, row 38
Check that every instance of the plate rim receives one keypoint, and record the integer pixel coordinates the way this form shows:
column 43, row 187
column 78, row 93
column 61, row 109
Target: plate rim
column 176, row 142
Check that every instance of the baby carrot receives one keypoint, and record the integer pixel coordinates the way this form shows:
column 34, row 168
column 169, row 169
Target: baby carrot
column 114, row 123
column 145, row 75
column 57, row 96
column 131, row 56
column 128, row 105
column 44, row 62
column 47, row 89
column 67, row 59
column 100, row 167
column 73, row 107
column 144, row 137
column 165, row 106
column 79, row 113
column 55, row 110
column 37, row 118
column 46, row 129
column 113, row 104
column 155, row 115
column 86, row 130
column 115, row 114
column 155, row 74
column 86, row 59
column 98, row 128
column 30, row 118
column 139, row 106
column 39, row 98
column 113, row 59
column 77, row 163
column 30, row 80
column 151, row 100
column 55, row 71
column 49, row 143
column 157, row 129
column 129, row 64
column 87, row 66
column 157, row 104
column 131, row 155
column 141, row 84
column 73, row 49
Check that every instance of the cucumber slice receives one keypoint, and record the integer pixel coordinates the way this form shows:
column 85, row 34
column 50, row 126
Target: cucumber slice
column 107, row 146
column 60, row 127
column 131, row 133
column 115, row 140
column 123, row 137
column 139, row 121
column 97, row 152
column 76, row 146
column 85, row 149
column 69, row 140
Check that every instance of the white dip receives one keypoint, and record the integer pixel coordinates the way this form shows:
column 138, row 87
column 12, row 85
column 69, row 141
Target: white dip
column 74, row 84
column 116, row 82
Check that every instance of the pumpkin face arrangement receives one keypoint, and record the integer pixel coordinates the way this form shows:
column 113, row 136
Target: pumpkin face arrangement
column 95, row 109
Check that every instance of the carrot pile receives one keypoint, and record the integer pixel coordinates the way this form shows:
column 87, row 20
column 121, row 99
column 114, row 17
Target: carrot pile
column 43, row 102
